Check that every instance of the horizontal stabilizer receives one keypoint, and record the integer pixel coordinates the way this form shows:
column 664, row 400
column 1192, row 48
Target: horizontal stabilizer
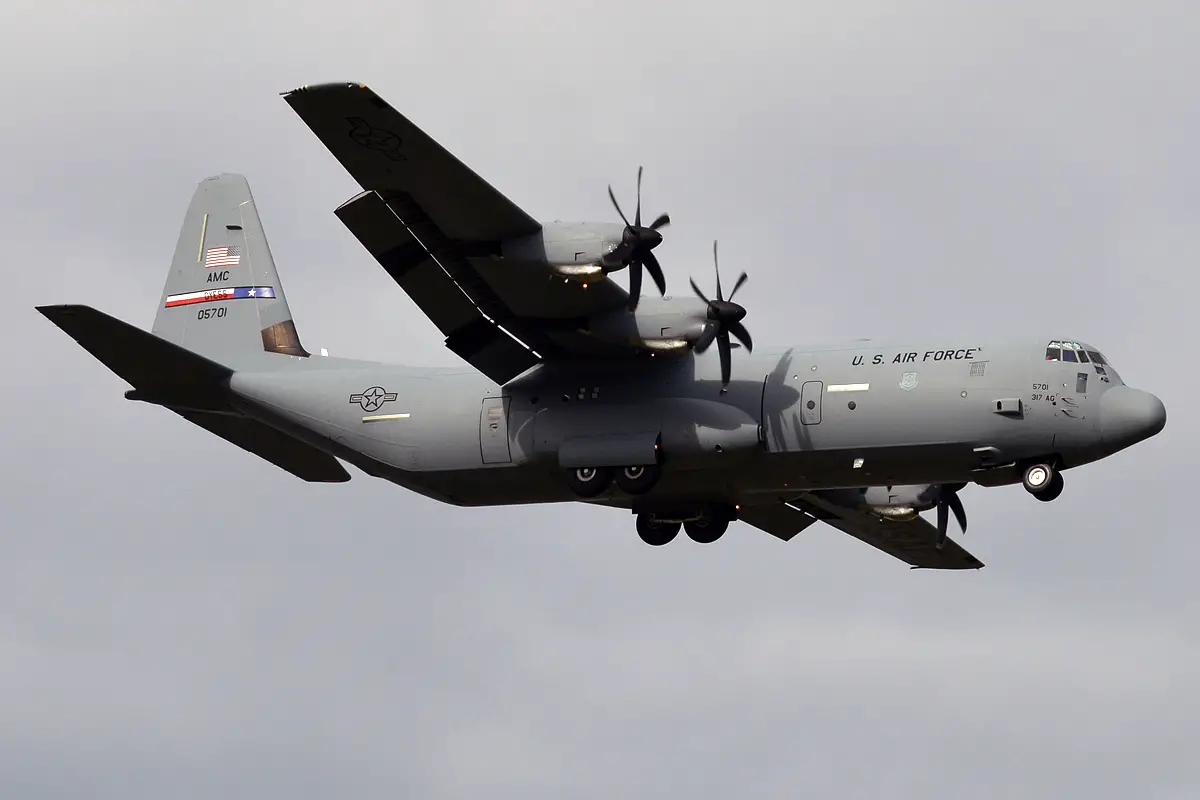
column 144, row 360
column 292, row 455
column 190, row 385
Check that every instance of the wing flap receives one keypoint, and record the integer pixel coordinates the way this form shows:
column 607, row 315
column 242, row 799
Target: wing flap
column 384, row 150
column 778, row 519
column 469, row 334
column 913, row 542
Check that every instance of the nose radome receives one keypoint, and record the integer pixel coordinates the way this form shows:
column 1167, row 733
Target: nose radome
column 1129, row 415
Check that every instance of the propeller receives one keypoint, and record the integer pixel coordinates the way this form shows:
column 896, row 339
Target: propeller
column 948, row 501
column 724, row 318
column 636, row 243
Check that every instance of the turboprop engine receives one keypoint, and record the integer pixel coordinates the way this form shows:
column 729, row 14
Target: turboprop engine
column 904, row 503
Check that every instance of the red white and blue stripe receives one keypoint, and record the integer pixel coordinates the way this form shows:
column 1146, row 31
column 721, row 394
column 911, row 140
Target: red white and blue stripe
column 218, row 295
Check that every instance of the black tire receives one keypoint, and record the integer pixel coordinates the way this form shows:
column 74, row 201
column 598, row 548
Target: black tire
column 589, row 481
column 710, row 527
column 655, row 533
column 1053, row 489
column 639, row 479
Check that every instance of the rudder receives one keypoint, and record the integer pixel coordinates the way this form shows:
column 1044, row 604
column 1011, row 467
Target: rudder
column 223, row 295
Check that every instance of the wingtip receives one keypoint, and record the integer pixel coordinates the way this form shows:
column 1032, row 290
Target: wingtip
column 325, row 87
column 58, row 309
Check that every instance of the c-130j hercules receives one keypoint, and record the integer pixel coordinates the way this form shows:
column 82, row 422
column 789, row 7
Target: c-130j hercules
column 578, row 391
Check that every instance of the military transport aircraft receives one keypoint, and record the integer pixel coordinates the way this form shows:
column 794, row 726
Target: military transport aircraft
column 575, row 391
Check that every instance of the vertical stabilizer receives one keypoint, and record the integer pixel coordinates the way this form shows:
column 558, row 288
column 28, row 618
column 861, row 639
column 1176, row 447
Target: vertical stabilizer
column 223, row 295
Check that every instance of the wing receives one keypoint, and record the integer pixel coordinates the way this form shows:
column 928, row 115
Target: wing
column 913, row 542
column 778, row 519
column 459, row 220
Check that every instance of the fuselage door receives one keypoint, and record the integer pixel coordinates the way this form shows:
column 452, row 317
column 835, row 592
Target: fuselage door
column 810, row 402
column 493, row 431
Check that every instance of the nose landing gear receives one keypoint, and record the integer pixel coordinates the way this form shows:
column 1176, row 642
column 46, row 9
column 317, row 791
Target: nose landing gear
column 1043, row 481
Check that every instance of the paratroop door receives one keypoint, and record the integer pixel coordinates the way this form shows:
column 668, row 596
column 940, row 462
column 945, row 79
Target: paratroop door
column 810, row 402
column 493, row 431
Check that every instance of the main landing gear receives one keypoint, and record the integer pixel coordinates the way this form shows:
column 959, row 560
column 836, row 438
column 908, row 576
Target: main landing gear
column 1043, row 481
column 703, row 526
column 589, row 482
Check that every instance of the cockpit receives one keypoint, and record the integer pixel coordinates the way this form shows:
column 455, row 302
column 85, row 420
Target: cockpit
column 1079, row 353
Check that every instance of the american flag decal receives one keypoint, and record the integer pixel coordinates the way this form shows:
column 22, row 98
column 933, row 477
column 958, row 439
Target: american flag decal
column 222, row 256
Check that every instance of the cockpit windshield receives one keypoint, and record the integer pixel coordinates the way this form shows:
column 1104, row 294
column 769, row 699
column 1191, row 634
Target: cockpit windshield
column 1077, row 353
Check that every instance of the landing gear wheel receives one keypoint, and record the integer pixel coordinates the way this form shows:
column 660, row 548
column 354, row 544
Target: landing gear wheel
column 589, row 481
column 656, row 533
column 708, row 528
column 1053, row 489
column 639, row 479
column 1037, row 478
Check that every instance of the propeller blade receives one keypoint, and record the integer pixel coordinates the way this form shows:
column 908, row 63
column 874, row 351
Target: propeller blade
column 717, row 268
column 617, row 205
column 741, row 334
column 943, row 520
column 706, row 338
column 663, row 221
column 699, row 293
column 725, row 351
column 637, row 212
column 655, row 270
column 741, row 280
column 960, row 513
column 635, row 284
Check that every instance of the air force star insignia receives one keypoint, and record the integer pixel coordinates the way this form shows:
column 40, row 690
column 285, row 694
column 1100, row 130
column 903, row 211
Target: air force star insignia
column 372, row 399
column 909, row 381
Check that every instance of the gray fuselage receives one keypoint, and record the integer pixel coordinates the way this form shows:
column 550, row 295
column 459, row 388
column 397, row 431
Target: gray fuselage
column 796, row 419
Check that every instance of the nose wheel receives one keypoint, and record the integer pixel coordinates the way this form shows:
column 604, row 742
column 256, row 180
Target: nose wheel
column 1043, row 481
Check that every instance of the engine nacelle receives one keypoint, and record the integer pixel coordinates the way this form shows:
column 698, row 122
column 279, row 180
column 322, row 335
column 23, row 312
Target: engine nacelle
column 900, row 503
column 667, row 324
column 576, row 249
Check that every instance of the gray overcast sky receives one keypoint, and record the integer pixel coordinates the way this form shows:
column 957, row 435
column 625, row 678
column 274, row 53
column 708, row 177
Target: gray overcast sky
column 180, row 619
